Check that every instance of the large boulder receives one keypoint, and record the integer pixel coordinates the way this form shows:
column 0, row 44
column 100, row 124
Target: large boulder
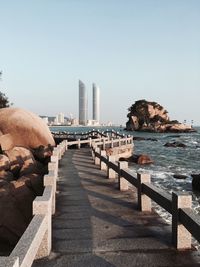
column 19, row 127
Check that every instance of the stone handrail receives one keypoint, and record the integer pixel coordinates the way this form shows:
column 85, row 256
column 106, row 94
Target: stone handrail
column 184, row 220
column 36, row 240
column 89, row 134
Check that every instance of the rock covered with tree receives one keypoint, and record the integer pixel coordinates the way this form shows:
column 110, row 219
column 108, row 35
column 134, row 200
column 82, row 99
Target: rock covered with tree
column 152, row 117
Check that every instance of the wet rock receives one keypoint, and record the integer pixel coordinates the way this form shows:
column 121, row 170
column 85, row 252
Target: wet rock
column 180, row 176
column 175, row 144
column 138, row 138
column 141, row 159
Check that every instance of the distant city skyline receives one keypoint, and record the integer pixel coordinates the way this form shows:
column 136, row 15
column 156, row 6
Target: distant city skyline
column 146, row 49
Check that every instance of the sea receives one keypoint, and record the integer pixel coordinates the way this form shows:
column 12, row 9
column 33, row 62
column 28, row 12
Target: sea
column 167, row 160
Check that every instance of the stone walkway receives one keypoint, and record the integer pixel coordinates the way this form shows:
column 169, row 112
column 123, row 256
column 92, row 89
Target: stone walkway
column 97, row 225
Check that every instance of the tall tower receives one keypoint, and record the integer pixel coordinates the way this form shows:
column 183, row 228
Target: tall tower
column 96, row 106
column 82, row 104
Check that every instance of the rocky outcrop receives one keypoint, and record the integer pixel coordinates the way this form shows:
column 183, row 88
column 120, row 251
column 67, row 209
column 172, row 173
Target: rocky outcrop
column 152, row 117
column 26, row 145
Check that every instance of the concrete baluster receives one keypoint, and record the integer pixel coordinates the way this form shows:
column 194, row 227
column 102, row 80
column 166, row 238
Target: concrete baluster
column 79, row 143
column 111, row 174
column 90, row 142
column 112, row 143
column 103, row 165
column 104, row 143
column 50, row 179
column 44, row 207
column 181, row 238
column 66, row 145
column 97, row 160
column 123, row 184
column 144, row 202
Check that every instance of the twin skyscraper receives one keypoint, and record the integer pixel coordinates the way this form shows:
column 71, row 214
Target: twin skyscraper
column 83, row 104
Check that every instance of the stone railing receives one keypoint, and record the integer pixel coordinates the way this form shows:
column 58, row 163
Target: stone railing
column 90, row 134
column 104, row 142
column 185, row 223
column 36, row 241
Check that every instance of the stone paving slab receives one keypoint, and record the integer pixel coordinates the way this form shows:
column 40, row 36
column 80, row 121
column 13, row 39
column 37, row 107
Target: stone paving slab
column 96, row 225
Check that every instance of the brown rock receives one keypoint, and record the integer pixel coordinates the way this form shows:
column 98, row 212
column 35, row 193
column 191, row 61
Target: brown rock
column 4, row 163
column 141, row 159
column 23, row 128
column 12, row 222
column 43, row 153
column 6, row 175
column 109, row 151
column 20, row 158
column 144, row 159
column 16, row 200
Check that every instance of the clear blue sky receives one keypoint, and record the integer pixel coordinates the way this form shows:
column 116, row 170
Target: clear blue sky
column 144, row 49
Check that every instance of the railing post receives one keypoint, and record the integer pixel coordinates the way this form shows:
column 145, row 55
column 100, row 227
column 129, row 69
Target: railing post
column 103, row 165
column 144, row 202
column 90, row 142
column 122, row 182
column 110, row 172
column 181, row 237
column 40, row 207
column 96, row 159
column 111, row 144
column 104, row 143
column 66, row 145
column 50, row 179
column 119, row 141
column 79, row 143
column 93, row 155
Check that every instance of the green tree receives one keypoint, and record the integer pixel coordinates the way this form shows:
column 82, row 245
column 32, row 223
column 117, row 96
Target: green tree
column 4, row 102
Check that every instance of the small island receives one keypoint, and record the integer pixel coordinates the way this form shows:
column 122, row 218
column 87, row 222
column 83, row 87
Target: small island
column 152, row 117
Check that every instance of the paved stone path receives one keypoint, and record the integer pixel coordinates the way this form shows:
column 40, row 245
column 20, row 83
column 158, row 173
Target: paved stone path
column 97, row 225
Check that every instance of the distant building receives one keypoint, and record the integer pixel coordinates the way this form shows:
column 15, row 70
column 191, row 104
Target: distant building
column 96, row 103
column 83, row 109
column 59, row 119
column 74, row 122
column 46, row 120
column 92, row 123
